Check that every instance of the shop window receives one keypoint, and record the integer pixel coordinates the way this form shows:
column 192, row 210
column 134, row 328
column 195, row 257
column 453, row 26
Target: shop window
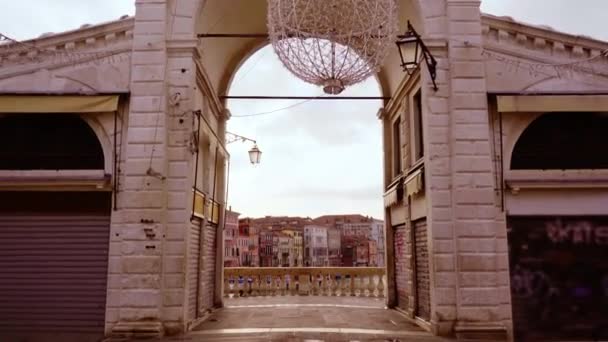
column 48, row 142
column 563, row 141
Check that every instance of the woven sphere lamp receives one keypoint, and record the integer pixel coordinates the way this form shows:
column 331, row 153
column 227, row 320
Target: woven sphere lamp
column 332, row 43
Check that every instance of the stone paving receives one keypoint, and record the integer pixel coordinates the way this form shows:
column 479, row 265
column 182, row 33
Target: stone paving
column 306, row 319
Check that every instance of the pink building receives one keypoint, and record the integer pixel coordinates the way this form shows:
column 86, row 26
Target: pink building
column 231, row 233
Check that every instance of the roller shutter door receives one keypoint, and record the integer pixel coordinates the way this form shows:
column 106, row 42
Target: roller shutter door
column 559, row 277
column 401, row 262
column 53, row 268
column 423, row 285
column 209, row 272
column 194, row 262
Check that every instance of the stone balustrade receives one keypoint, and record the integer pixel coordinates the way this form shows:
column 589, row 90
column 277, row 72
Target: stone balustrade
column 304, row 281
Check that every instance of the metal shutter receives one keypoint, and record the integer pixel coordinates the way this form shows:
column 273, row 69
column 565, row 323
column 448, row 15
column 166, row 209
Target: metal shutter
column 423, row 284
column 208, row 274
column 401, row 262
column 53, row 273
column 194, row 257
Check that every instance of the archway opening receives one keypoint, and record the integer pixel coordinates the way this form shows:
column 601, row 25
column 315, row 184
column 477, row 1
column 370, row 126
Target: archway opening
column 322, row 166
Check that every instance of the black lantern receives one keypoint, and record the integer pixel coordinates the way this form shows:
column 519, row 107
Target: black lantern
column 412, row 50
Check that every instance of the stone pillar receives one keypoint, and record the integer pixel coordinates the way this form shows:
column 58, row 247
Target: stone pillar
column 467, row 233
column 151, row 227
column 140, row 222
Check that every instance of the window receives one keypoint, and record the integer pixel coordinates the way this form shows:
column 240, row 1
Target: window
column 562, row 141
column 48, row 142
column 417, row 135
column 397, row 148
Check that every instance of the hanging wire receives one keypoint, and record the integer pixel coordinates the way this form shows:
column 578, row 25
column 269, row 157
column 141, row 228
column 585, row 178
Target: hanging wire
column 278, row 109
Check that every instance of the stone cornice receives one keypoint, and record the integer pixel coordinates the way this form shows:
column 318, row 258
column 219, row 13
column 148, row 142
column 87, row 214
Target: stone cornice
column 504, row 33
column 118, row 54
column 83, row 40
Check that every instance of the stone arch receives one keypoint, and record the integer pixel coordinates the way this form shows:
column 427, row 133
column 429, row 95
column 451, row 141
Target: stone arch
column 513, row 132
column 225, row 56
column 227, row 83
column 104, row 138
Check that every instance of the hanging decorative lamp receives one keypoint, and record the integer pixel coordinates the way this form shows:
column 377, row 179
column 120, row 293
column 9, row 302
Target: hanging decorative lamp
column 332, row 43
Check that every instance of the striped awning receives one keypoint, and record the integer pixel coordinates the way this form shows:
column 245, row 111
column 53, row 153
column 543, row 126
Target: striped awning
column 394, row 193
column 414, row 183
column 390, row 197
column 58, row 103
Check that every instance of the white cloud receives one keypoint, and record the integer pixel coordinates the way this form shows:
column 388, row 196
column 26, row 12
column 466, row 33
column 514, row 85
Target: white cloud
column 25, row 19
column 320, row 157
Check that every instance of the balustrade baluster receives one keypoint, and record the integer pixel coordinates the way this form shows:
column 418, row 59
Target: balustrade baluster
column 231, row 286
column 365, row 286
column 357, row 283
column 385, row 283
column 377, row 283
column 277, row 287
column 334, row 284
column 296, row 284
column 291, row 283
column 304, row 281
column 350, row 285
column 268, row 291
column 372, row 285
column 254, row 285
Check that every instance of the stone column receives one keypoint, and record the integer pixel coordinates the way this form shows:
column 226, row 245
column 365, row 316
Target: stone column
column 482, row 297
column 155, row 202
column 467, row 235
column 139, row 226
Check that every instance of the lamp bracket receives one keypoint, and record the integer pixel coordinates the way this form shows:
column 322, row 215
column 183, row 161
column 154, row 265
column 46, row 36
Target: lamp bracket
column 231, row 137
column 411, row 36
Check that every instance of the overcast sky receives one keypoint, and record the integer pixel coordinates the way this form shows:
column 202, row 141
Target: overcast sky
column 321, row 157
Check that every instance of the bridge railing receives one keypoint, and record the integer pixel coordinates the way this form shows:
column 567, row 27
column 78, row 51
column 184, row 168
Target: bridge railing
column 304, row 281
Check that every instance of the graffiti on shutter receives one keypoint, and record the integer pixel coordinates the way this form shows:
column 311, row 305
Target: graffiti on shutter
column 423, row 284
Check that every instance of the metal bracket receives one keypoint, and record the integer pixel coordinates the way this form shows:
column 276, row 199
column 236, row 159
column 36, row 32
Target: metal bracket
column 231, row 137
column 411, row 36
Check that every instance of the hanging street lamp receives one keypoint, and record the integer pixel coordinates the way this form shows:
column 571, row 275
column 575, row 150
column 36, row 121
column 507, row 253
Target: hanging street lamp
column 254, row 153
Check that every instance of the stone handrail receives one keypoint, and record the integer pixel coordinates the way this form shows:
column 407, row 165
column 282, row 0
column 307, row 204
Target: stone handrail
column 304, row 281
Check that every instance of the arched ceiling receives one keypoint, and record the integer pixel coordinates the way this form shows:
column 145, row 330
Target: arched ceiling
column 223, row 56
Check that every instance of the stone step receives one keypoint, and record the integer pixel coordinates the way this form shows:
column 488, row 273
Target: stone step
column 310, row 335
